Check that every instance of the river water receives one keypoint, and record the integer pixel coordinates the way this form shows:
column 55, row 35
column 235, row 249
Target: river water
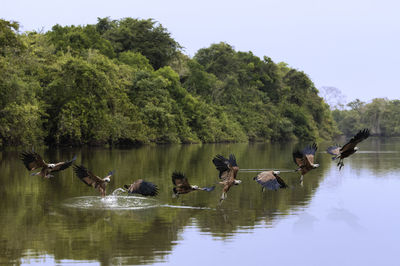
column 347, row 217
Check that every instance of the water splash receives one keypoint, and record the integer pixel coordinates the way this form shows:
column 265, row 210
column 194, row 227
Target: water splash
column 118, row 191
column 112, row 202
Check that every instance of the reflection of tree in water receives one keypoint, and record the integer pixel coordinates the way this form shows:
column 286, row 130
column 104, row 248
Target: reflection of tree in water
column 34, row 219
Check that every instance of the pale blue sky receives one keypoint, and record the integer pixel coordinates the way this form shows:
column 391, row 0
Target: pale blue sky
column 351, row 45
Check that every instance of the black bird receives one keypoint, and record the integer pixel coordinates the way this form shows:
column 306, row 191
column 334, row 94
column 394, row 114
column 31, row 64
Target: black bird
column 305, row 160
column 92, row 180
column 33, row 160
column 228, row 169
column 349, row 148
column 142, row 187
column 182, row 185
column 270, row 180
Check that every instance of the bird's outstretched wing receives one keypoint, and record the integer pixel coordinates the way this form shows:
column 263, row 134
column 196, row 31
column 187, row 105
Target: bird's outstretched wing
column 63, row 165
column 142, row 187
column 32, row 160
column 281, row 182
column 86, row 176
column 309, row 153
column 298, row 158
column 360, row 136
column 179, row 180
column 223, row 165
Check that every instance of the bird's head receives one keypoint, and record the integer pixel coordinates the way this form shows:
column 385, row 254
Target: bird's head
column 195, row 187
column 356, row 148
column 51, row 165
column 237, row 182
column 276, row 172
column 315, row 165
column 107, row 179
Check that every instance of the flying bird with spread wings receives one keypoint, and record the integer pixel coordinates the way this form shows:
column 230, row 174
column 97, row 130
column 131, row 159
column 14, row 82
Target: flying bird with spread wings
column 182, row 185
column 270, row 180
column 349, row 148
column 33, row 161
column 93, row 180
column 228, row 170
column 305, row 160
column 143, row 188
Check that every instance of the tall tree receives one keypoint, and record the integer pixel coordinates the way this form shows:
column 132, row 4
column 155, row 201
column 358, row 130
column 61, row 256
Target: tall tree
column 147, row 37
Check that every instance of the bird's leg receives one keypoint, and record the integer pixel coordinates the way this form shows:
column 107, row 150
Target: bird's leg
column 341, row 165
column 223, row 197
column 48, row 176
column 33, row 174
column 175, row 195
column 301, row 180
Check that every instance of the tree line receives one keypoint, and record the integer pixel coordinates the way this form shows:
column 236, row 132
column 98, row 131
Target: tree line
column 381, row 116
column 127, row 81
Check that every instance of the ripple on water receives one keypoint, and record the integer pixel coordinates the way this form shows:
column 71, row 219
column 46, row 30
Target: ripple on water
column 111, row 202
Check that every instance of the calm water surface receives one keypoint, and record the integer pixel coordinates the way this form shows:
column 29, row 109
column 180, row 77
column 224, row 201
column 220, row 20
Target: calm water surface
column 349, row 217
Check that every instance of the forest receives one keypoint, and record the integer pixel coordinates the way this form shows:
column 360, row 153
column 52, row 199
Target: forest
column 127, row 81
column 381, row 115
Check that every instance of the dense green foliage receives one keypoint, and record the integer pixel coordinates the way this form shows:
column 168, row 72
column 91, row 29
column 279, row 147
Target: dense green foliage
column 127, row 81
column 381, row 116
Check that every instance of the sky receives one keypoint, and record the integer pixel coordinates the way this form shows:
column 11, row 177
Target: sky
column 352, row 45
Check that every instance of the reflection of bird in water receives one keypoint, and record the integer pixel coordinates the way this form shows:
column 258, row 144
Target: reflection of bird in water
column 340, row 214
column 270, row 180
column 349, row 148
column 228, row 169
column 33, row 160
column 305, row 223
column 182, row 185
column 92, row 180
column 142, row 187
column 305, row 160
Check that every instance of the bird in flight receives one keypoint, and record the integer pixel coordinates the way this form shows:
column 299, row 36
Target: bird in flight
column 270, row 180
column 142, row 187
column 349, row 148
column 33, row 161
column 305, row 160
column 93, row 180
column 228, row 170
column 182, row 186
